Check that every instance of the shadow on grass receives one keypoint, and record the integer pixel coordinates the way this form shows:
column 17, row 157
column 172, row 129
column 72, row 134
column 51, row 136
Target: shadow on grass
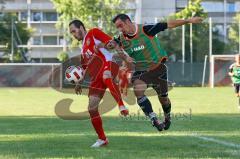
column 44, row 125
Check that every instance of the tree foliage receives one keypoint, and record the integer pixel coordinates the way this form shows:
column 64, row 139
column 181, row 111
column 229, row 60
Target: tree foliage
column 172, row 40
column 234, row 32
column 20, row 30
column 93, row 13
column 63, row 56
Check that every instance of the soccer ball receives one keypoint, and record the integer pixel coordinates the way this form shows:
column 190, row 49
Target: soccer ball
column 74, row 74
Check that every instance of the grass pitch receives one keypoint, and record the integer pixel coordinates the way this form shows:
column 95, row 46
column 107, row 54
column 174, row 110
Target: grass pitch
column 206, row 124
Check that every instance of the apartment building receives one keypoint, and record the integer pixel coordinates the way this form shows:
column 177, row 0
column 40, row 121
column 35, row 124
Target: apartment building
column 46, row 41
column 39, row 15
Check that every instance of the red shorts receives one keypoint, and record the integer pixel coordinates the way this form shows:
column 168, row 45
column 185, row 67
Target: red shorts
column 97, row 86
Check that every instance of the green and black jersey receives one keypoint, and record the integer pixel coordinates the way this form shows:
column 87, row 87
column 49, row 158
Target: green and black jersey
column 235, row 69
column 144, row 47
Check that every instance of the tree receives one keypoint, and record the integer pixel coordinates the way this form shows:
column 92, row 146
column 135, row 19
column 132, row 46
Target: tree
column 234, row 33
column 94, row 13
column 200, row 35
column 63, row 56
column 21, row 35
column 194, row 8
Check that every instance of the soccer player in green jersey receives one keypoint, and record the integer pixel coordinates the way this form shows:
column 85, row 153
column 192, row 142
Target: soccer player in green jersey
column 141, row 44
column 234, row 72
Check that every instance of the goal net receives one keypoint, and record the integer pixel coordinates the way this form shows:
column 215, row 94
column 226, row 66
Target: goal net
column 219, row 67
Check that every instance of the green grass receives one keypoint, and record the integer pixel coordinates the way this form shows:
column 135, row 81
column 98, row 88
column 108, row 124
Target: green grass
column 29, row 127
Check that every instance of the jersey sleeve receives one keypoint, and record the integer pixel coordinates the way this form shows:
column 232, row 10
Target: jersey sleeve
column 100, row 35
column 154, row 29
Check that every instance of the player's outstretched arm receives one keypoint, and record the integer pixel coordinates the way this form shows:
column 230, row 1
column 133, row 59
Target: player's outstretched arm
column 120, row 53
column 177, row 23
column 230, row 73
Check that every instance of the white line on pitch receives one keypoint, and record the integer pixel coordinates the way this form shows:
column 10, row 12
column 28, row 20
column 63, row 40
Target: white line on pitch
column 228, row 144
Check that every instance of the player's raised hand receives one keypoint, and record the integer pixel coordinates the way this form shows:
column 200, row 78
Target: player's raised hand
column 78, row 87
column 196, row 20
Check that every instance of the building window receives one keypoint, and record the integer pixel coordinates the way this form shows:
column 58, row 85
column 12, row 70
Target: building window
column 213, row 6
column 36, row 16
column 49, row 16
column 49, row 40
column 219, row 28
column 231, row 7
column 36, row 40
column 23, row 16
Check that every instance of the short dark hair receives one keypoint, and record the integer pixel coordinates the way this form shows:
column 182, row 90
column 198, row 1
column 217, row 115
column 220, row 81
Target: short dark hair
column 123, row 17
column 77, row 23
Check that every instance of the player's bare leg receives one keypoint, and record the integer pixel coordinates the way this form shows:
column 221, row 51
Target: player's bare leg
column 121, row 89
column 97, row 121
column 125, row 90
column 144, row 103
column 114, row 90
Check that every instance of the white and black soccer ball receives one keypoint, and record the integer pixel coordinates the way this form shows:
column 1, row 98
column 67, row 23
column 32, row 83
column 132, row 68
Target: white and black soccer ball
column 74, row 74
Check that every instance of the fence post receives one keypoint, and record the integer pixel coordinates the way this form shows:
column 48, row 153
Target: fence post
column 210, row 37
column 183, row 49
column 204, row 70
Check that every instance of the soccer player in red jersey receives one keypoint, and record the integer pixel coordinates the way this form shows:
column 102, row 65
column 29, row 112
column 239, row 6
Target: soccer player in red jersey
column 99, row 65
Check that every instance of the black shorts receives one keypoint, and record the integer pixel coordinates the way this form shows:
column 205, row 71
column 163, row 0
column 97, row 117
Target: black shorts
column 236, row 87
column 157, row 79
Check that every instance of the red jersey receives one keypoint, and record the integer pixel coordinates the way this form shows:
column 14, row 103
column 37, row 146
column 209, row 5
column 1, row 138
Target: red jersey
column 91, row 58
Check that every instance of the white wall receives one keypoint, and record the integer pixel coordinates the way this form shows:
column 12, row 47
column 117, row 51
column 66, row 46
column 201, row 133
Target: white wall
column 148, row 10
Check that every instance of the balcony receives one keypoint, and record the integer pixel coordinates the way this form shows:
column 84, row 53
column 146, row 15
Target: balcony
column 40, row 22
column 181, row 3
column 41, row 46
column 42, row 6
column 22, row 5
column 3, row 46
column 15, row 6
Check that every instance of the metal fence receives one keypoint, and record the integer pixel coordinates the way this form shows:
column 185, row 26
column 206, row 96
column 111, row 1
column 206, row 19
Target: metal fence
column 187, row 74
column 30, row 75
column 52, row 75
